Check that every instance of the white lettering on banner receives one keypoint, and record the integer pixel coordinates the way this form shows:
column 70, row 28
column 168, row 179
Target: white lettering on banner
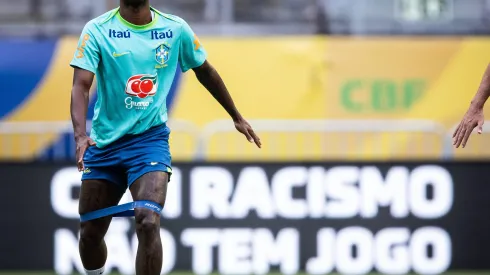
column 235, row 252
column 340, row 188
column 121, row 254
column 439, row 178
column 252, row 193
column 357, row 238
column 66, row 179
column 243, row 250
column 440, row 242
column 202, row 242
column 211, row 189
column 173, row 203
column 62, row 185
column 292, row 193
column 340, row 192
column 66, row 252
column 391, row 254
column 383, row 192
column 390, row 251
column 324, row 263
column 283, row 183
column 284, row 251
column 315, row 191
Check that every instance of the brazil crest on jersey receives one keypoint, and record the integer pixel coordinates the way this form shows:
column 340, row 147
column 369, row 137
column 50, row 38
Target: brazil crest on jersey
column 135, row 68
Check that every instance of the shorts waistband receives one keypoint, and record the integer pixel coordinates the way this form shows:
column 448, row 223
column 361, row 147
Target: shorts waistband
column 155, row 130
column 150, row 130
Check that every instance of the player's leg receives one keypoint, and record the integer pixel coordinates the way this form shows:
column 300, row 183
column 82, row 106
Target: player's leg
column 151, row 186
column 147, row 161
column 94, row 195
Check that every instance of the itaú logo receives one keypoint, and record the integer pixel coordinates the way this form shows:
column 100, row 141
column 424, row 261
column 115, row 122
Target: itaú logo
column 142, row 85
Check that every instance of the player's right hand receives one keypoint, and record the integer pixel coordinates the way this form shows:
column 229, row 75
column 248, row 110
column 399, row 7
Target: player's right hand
column 244, row 127
column 473, row 118
column 82, row 144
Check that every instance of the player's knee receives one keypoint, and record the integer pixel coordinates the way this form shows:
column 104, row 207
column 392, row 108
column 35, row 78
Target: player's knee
column 90, row 234
column 147, row 221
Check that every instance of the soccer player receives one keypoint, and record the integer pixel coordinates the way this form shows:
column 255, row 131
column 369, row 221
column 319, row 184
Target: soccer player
column 134, row 52
column 474, row 116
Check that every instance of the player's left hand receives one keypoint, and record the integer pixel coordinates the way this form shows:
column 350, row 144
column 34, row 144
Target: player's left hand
column 244, row 127
column 472, row 119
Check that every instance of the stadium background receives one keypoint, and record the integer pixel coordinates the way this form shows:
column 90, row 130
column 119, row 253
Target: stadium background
column 355, row 101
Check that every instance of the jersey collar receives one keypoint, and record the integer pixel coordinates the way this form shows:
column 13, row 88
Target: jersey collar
column 138, row 27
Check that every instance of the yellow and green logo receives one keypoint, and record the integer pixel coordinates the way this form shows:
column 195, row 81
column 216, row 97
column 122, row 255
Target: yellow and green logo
column 381, row 95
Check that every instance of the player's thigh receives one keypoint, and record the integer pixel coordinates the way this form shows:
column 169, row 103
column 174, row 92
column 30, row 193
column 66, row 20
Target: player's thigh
column 151, row 186
column 97, row 194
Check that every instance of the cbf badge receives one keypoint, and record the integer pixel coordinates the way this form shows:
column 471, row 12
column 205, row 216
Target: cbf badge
column 162, row 54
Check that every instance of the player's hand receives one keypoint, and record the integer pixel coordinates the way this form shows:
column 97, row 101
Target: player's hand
column 82, row 144
column 243, row 127
column 473, row 118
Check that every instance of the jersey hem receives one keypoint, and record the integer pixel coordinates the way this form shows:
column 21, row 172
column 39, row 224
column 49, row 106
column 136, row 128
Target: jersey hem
column 195, row 65
column 87, row 68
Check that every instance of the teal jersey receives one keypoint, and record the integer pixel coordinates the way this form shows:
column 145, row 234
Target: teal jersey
column 135, row 67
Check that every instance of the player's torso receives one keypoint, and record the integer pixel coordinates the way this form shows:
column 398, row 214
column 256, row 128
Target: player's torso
column 137, row 66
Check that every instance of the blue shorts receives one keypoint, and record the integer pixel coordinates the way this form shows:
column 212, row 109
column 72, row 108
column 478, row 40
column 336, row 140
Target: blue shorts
column 130, row 157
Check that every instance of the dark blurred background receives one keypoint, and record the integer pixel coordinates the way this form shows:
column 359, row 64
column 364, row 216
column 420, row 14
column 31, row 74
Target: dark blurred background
column 267, row 17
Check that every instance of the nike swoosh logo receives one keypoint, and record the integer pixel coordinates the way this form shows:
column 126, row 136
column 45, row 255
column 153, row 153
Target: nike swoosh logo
column 119, row 54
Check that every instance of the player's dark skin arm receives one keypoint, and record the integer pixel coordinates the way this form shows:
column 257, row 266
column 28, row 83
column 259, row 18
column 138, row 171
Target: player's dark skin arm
column 82, row 81
column 474, row 116
column 212, row 81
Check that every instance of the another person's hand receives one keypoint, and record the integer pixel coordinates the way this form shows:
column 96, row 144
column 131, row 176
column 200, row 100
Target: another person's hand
column 472, row 119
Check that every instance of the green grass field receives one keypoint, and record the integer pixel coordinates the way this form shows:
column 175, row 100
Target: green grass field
column 187, row 273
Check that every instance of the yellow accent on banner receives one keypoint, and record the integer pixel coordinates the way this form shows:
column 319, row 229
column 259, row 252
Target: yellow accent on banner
column 383, row 78
column 268, row 78
column 311, row 78
column 284, row 81
column 395, row 62
column 49, row 103
column 280, row 78
column 448, row 98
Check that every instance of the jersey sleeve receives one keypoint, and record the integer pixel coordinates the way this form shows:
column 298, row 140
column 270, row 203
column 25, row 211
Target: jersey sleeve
column 192, row 53
column 87, row 54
